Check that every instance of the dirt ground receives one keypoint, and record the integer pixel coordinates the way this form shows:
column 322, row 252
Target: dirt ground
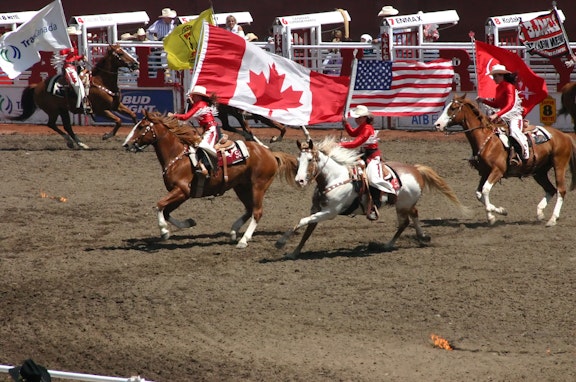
column 87, row 286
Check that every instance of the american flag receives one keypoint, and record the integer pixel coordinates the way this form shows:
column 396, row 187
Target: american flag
column 402, row 88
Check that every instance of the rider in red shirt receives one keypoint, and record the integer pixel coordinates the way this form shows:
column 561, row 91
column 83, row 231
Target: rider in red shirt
column 74, row 70
column 203, row 110
column 366, row 138
column 509, row 103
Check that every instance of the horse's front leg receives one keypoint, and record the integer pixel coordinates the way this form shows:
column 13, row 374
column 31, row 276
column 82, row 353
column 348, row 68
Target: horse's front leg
column 313, row 219
column 164, row 208
column 489, row 207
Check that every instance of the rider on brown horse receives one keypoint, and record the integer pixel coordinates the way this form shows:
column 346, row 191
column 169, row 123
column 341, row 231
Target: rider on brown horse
column 204, row 109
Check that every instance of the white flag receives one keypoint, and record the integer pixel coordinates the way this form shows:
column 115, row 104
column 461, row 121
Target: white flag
column 46, row 31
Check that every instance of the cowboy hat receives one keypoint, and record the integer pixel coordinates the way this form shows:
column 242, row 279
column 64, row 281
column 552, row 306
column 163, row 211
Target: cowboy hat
column 30, row 372
column 126, row 37
column 140, row 32
column 198, row 90
column 73, row 30
column 366, row 37
column 169, row 13
column 360, row 111
column 499, row 69
column 388, row 10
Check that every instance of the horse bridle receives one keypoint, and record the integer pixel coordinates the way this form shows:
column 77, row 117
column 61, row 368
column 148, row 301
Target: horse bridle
column 313, row 171
column 147, row 129
column 451, row 118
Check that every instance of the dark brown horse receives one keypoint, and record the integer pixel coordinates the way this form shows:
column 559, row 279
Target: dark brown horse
column 490, row 157
column 104, row 97
column 224, row 111
column 249, row 179
column 568, row 100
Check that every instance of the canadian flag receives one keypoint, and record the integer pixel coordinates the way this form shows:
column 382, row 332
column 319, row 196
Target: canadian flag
column 531, row 87
column 247, row 77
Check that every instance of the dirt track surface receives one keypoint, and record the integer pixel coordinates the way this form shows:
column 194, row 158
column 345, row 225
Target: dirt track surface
column 87, row 286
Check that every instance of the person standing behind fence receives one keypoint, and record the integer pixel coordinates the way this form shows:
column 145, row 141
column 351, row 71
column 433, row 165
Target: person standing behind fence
column 163, row 26
column 232, row 26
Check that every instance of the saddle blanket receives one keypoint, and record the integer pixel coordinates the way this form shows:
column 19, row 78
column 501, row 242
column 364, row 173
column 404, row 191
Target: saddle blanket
column 538, row 133
column 236, row 153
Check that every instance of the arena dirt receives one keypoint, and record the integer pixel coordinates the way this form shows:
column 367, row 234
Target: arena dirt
column 87, row 286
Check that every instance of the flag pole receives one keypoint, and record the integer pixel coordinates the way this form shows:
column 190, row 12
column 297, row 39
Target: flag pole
column 473, row 39
column 572, row 60
column 352, row 81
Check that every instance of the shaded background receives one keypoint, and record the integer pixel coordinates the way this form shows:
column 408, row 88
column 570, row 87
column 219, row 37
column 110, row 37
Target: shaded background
column 363, row 12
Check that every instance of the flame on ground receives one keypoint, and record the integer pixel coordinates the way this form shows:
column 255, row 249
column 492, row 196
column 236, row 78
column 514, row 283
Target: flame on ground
column 61, row 199
column 440, row 342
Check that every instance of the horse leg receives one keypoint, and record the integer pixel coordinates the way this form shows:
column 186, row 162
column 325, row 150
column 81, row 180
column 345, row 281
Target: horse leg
column 117, row 123
column 544, row 182
column 164, row 208
column 296, row 252
column 52, row 124
column 310, row 221
column 489, row 207
column 280, row 127
column 245, row 196
column 67, row 123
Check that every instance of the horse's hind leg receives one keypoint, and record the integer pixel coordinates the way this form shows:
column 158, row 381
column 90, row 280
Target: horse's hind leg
column 52, row 124
column 543, row 180
column 67, row 123
column 117, row 122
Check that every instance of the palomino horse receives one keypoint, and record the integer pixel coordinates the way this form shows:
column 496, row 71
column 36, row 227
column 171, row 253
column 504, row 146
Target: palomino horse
column 104, row 97
column 490, row 157
column 337, row 193
column 568, row 100
column 224, row 111
column 250, row 178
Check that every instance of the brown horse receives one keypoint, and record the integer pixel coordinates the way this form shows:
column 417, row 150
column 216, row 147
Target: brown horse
column 224, row 111
column 568, row 100
column 250, row 178
column 490, row 157
column 104, row 96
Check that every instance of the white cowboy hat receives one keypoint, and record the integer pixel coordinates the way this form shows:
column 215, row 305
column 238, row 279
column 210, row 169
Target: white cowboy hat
column 169, row 13
column 388, row 10
column 251, row 37
column 126, row 37
column 360, row 111
column 140, row 32
column 199, row 90
column 366, row 37
column 73, row 30
column 499, row 69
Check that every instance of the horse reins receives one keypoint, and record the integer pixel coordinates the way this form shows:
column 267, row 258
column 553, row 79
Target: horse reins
column 316, row 159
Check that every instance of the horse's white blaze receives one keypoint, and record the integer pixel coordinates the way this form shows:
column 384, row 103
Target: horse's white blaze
column 302, row 173
column 443, row 119
column 131, row 134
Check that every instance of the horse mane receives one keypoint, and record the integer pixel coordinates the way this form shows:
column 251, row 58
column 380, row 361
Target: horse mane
column 184, row 133
column 330, row 147
column 477, row 112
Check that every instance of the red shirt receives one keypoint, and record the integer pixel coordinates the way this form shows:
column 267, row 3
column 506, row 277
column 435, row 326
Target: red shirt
column 364, row 136
column 200, row 110
column 504, row 99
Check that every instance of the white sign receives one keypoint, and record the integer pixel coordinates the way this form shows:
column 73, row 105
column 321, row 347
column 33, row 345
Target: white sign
column 104, row 20
column 512, row 21
column 420, row 18
column 313, row 19
column 220, row 18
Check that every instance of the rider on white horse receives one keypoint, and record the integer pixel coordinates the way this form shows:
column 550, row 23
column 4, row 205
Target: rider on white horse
column 366, row 138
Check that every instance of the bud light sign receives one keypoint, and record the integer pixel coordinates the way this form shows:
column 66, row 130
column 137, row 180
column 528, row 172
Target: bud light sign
column 139, row 100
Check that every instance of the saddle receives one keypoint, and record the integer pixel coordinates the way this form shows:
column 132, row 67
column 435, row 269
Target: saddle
column 536, row 135
column 57, row 86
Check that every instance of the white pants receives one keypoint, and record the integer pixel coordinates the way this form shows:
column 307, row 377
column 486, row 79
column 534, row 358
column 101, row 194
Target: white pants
column 209, row 140
column 516, row 133
column 376, row 178
column 74, row 81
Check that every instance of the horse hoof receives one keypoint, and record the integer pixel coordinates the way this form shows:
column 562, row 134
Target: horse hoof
column 107, row 136
column 280, row 244
column 551, row 223
column 233, row 236
column 165, row 236
column 83, row 146
column 190, row 222
column 424, row 238
column 241, row 245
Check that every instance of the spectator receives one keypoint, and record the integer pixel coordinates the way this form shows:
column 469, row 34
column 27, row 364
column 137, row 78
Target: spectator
column 163, row 26
column 140, row 35
column 232, row 26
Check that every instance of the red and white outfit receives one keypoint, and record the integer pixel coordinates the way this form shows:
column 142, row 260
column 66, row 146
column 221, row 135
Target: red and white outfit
column 367, row 138
column 509, row 103
column 70, row 69
column 204, row 113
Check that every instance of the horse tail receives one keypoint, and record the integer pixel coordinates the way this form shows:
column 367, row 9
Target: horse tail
column 432, row 180
column 287, row 167
column 28, row 105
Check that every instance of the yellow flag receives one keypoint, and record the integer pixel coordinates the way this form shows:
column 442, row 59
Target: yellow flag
column 182, row 43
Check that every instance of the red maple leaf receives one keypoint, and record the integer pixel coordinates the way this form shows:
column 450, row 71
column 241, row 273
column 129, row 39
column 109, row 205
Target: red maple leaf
column 269, row 93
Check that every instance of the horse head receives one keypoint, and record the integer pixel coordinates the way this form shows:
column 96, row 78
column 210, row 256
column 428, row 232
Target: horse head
column 142, row 134
column 452, row 114
column 121, row 58
column 306, row 162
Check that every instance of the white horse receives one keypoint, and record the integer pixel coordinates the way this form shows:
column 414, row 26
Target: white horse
column 337, row 192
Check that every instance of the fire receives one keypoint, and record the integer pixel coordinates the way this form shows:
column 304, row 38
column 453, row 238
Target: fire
column 61, row 199
column 440, row 342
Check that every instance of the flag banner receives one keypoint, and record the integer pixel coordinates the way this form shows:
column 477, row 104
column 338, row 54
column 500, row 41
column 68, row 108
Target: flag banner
column 247, row 77
column 402, row 88
column 46, row 31
column 544, row 36
column 532, row 88
column 181, row 44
